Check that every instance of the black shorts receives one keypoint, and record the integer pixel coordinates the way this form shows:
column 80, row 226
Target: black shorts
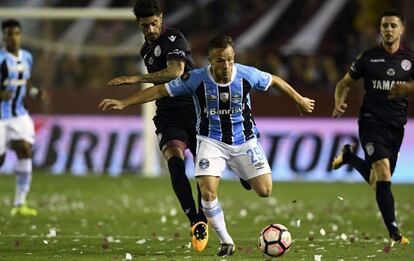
column 380, row 141
column 176, row 126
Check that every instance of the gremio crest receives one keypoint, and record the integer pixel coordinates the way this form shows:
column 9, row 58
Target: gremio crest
column 224, row 96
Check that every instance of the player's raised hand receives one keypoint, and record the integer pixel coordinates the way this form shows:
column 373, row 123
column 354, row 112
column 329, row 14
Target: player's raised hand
column 123, row 80
column 400, row 90
column 339, row 110
column 111, row 104
column 305, row 105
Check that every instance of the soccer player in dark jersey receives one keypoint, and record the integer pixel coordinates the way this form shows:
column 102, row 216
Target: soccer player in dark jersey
column 166, row 55
column 16, row 127
column 227, row 134
column 381, row 120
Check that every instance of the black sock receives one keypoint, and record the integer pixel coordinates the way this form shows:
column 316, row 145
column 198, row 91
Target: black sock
column 182, row 188
column 362, row 166
column 385, row 202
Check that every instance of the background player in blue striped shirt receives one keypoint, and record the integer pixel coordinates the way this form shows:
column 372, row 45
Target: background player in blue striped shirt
column 227, row 134
column 16, row 127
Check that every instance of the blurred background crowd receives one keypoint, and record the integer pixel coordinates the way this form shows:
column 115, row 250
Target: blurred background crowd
column 309, row 43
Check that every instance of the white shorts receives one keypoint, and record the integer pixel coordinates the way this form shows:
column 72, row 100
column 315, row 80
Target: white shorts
column 246, row 161
column 16, row 128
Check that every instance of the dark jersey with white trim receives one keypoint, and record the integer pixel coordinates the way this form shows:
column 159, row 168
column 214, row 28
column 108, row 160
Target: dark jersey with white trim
column 171, row 45
column 14, row 74
column 381, row 70
column 223, row 110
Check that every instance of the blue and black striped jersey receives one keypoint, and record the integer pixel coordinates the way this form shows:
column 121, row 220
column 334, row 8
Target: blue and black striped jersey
column 14, row 74
column 223, row 110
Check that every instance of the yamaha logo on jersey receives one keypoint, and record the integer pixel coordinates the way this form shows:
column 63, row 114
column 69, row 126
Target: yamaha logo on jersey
column 369, row 147
column 406, row 65
column 390, row 72
column 204, row 163
column 224, row 96
column 157, row 51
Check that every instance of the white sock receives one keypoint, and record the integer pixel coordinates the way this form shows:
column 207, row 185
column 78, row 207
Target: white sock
column 23, row 180
column 215, row 216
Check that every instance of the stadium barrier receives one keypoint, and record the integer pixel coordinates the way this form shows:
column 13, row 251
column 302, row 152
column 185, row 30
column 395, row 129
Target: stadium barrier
column 297, row 148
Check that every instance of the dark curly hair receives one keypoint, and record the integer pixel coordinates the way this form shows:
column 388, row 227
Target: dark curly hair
column 10, row 23
column 146, row 8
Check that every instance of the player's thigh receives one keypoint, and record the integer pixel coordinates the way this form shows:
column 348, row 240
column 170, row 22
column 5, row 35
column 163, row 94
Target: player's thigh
column 375, row 142
column 210, row 158
column 21, row 128
column 250, row 161
column 169, row 130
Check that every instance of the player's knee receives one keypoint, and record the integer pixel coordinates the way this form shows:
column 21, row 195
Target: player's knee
column 264, row 191
column 208, row 195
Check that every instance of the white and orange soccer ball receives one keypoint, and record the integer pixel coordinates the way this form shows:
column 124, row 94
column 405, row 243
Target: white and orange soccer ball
column 274, row 240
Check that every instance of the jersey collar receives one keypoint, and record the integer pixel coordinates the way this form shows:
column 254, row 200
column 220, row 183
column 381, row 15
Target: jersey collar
column 20, row 54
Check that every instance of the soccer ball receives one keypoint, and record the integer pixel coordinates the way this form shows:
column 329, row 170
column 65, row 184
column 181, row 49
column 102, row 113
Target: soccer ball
column 274, row 240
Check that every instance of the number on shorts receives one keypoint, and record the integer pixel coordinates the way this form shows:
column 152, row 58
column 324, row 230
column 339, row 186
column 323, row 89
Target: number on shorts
column 255, row 154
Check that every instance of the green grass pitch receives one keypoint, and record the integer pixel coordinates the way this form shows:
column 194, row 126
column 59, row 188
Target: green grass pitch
column 104, row 218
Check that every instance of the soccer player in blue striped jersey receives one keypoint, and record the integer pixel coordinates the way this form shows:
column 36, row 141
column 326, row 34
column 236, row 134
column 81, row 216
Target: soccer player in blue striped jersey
column 16, row 127
column 227, row 134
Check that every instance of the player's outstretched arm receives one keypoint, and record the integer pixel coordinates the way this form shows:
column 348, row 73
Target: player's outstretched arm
column 401, row 90
column 304, row 104
column 142, row 96
column 174, row 69
column 341, row 92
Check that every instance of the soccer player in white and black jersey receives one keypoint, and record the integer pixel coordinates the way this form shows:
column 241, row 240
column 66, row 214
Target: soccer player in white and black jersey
column 166, row 55
column 381, row 120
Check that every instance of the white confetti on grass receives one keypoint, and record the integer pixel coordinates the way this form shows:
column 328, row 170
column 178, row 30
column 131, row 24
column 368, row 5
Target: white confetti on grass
column 128, row 256
column 52, row 232
column 163, row 219
column 298, row 223
column 141, row 241
column 344, row 236
column 110, row 239
column 243, row 212
column 173, row 212
column 340, row 198
column 334, row 227
column 310, row 216
column 317, row 257
column 322, row 231
column 45, row 242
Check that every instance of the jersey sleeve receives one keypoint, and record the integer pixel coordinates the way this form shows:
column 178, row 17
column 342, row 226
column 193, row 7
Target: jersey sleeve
column 356, row 69
column 175, row 46
column 260, row 80
column 183, row 85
